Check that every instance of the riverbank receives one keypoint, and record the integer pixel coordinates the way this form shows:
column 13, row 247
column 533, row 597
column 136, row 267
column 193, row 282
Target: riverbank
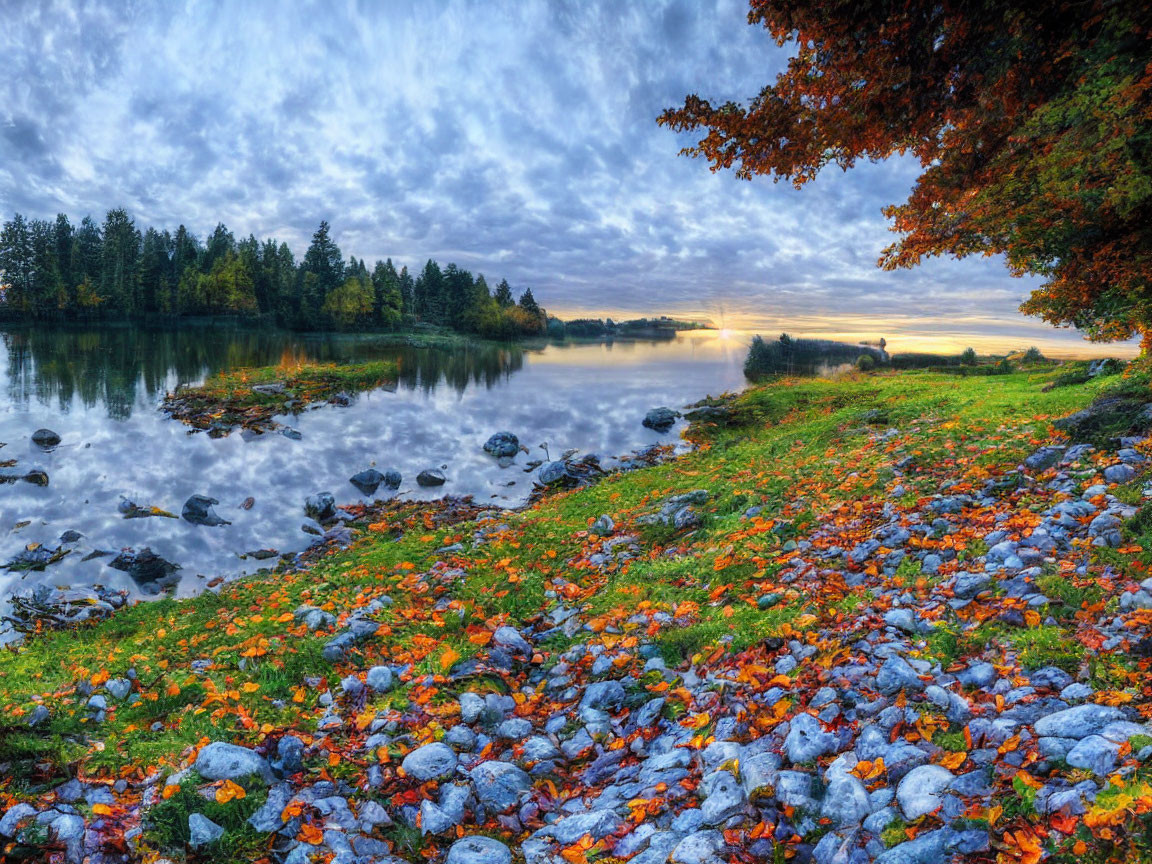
column 897, row 613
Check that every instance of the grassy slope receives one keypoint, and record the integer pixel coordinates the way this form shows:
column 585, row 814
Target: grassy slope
column 799, row 451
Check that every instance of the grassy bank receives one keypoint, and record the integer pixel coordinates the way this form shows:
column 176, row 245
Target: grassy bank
column 250, row 398
column 238, row 665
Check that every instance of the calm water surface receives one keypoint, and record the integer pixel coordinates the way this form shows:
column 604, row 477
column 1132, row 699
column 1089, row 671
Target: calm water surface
column 100, row 390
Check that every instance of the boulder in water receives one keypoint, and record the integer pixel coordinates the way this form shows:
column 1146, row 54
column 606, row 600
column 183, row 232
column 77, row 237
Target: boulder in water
column 502, row 444
column 661, row 419
column 554, row 473
column 45, row 438
column 367, row 481
column 147, row 569
column 198, row 510
column 321, row 506
column 392, row 478
column 431, row 477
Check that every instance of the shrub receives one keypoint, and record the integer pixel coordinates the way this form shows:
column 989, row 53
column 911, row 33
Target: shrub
column 1033, row 355
column 865, row 363
column 968, row 357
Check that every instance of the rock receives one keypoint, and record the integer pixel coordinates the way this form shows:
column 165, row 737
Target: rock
column 392, row 478
column 13, row 816
column 554, row 473
column 367, row 481
column 431, row 762
column 1078, row 722
column 478, row 850
column 380, row 679
column 1120, row 473
column 758, row 774
column 499, row 785
column 471, row 707
column 597, row 823
column 1095, row 754
column 509, row 638
column 119, row 688
column 289, row 756
column 198, row 510
column 919, row 791
column 807, row 739
column 767, row 601
column 502, row 444
column 321, row 506
column 37, row 477
column 45, row 439
column 846, row 801
column 702, row 847
column 145, row 567
column 222, row 761
column 895, row 674
column 660, row 419
column 202, row 831
column 603, row 694
column 1044, row 458
column 725, row 798
column 935, row 847
column 603, row 526
column 431, row 477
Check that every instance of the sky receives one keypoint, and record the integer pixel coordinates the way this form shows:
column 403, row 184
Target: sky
column 517, row 139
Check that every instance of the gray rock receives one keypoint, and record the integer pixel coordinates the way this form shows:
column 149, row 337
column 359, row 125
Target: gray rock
column 478, row 850
column 380, row 679
column 502, row 444
column 725, row 798
column 367, row 481
column 1095, row 754
column 45, row 438
column 1043, row 458
column 221, row 761
column 431, row 477
column 13, row 816
column 392, row 478
column 1120, row 473
column 554, row 473
column 603, row 525
column 198, row 510
column 321, row 506
column 431, row 762
column 660, row 419
column 471, row 707
column 509, row 638
column 1078, row 722
column 919, row 791
column 758, row 774
column 807, row 739
column 499, row 785
column 846, row 801
column 703, row 847
column 597, row 823
column 895, row 674
column 202, row 831
column 603, row 694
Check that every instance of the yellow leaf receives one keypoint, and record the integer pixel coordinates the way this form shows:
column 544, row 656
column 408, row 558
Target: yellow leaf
column 229, row 791
column 102, row 809
column 449, row 657
column 250, row 687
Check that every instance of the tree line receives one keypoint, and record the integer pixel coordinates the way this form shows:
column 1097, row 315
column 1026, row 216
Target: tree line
column 112, row 271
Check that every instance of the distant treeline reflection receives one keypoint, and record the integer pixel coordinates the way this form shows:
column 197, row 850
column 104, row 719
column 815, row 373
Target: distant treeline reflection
column 124, row 368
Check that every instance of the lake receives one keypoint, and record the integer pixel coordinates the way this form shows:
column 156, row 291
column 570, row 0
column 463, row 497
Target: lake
column 100, row 389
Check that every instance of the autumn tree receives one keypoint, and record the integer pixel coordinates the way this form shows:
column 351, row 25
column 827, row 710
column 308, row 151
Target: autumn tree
column 1032, row 123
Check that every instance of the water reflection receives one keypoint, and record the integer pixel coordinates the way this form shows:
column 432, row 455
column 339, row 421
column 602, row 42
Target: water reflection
column 123, row 369
column 99, row 390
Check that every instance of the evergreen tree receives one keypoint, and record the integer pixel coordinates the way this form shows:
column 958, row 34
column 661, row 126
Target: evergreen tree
column 528, row 302
column 388, row 303
column 120, row 263
column 430, row 294
column 63, row 236
column 16, row 263
column 322, row 270
column 504, row 296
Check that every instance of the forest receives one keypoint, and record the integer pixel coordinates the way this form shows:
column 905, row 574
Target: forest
column 55, row 271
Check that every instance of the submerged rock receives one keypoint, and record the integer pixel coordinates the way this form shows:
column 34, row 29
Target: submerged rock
column 502, row 444
column 367, row 481
column 661, row 419
column 146, row 568
column 198, row 510
column 321, row 506
column 45, row 439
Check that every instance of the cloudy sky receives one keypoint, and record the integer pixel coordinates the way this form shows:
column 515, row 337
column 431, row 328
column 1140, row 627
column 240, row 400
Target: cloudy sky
column 516, row 138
